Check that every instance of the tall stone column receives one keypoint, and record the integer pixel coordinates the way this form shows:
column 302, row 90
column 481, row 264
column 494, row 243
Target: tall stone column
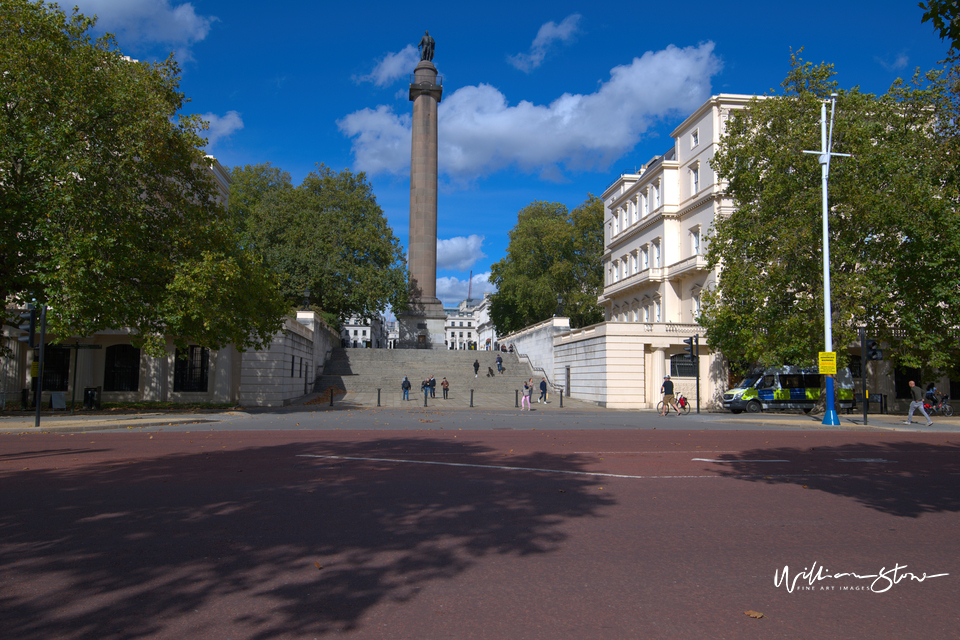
column 423, row 323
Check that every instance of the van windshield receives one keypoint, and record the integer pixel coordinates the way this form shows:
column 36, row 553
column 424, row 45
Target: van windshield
column 746, row 383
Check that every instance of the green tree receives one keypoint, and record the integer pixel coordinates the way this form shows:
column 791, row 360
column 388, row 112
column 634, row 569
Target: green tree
column 109, row 212
column 944, row 15
column 553, row 259
column 894, row 229
column 328, row 236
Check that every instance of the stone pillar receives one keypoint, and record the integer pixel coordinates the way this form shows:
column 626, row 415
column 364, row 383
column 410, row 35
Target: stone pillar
column 658, row 362
column 423, row 323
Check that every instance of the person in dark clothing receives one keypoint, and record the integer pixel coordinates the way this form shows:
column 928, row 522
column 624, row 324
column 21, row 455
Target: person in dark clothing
column 543, row 391
column 476, row 368
column 668, row 397
column 499, row 364
column 433, row 387
column 916, row 394
column 446, row 387
column 405, row 385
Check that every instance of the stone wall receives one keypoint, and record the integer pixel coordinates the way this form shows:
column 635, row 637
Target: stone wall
column 534, row 345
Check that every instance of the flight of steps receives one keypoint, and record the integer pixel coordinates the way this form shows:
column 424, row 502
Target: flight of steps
column 365, row 370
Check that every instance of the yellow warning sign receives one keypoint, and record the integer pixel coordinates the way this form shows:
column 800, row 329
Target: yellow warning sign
column 35, row 369
column 828, row 363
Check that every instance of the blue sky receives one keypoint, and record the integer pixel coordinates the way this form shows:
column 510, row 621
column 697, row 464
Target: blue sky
column 542, row 100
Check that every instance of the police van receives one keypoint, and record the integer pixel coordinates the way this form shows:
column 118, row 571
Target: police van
column 789, row 387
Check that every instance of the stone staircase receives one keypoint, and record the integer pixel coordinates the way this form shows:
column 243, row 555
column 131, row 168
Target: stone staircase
column 365, row 370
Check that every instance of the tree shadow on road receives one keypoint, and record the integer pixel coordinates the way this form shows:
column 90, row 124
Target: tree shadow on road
column 900, row 478
column 276, row 544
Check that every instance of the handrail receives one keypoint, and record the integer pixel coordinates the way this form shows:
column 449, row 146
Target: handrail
column 540, row 369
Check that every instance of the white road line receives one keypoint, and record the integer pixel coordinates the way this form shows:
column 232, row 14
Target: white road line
column 575, row 473
column 649, row 451
column 738, row 460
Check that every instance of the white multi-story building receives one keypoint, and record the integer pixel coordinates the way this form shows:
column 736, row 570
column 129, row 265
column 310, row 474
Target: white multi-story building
column 364, row 333
column 486, row 332
column 461, row 325
column 656, row 225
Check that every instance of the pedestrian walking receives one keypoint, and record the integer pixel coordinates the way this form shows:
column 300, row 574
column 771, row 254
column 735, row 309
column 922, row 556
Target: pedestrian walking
column 476, row 368
column 499, row 364
column 446, row 387
column 433, row 387
column 405, row 385
column 668, row 398
column 543, row 391
column 525, row 396
column 916, row 393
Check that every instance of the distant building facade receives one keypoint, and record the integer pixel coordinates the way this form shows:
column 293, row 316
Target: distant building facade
column 365, row 333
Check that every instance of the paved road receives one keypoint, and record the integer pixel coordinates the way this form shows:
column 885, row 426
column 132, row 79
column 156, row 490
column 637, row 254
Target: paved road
column 439, row 415
column 364, row 530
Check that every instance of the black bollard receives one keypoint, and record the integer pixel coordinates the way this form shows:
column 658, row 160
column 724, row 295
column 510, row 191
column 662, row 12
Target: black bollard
column 516, row 398
column 426, row 392
column 561, row 398
column 378, row 397
column 471, row 397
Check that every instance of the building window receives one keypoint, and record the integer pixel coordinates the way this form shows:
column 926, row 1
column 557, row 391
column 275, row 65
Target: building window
column 646, row 313
column 681, row 367
column 469, row 324
column 190, row 369
column 616, row 271
column 122, row 369
column 656, row 255
column 656, row 311
column 633, row 263
column 656, row 196
column 56, row 367
column 695, row 179
column 469, row 334
column 695, row 241
column 644, row 258
column 696, row 306
column 646, row 204
column 636, row 209
column 694, row 138
column 616, row 222
column 364, row 332
column 354, row 332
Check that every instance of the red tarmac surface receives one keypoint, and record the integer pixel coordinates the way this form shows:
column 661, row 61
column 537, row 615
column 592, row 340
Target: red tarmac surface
column 505, row 534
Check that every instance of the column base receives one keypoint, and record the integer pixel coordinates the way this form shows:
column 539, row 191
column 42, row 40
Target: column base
column 423, row 325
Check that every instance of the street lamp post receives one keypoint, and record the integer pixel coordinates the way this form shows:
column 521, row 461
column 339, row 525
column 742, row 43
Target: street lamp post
column 826, row 143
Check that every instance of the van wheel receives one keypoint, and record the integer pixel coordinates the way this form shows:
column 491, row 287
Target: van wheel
column 736, row 410
column 753, row 407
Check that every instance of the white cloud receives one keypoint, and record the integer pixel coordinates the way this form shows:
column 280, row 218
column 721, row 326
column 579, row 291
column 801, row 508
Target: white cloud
column 899, row 63
column 452, row 290
column 393, row 67
column 382, row 143
column 221, row 126
column 146, row 22
column 546, row 36
column 481, row 133
column 459, row 254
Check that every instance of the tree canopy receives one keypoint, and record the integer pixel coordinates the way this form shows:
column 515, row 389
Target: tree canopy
column 109, row 211
column 554, row 259
column 894, row 228
column 327, row 236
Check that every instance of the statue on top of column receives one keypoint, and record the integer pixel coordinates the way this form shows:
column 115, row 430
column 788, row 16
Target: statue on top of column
column 426, row 46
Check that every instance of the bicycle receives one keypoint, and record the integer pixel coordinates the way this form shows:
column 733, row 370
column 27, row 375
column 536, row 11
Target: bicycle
column 682, row 403
column 942, row 407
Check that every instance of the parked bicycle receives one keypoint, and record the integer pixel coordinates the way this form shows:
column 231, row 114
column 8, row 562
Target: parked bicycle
column 942, row 406
column 682, row 403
